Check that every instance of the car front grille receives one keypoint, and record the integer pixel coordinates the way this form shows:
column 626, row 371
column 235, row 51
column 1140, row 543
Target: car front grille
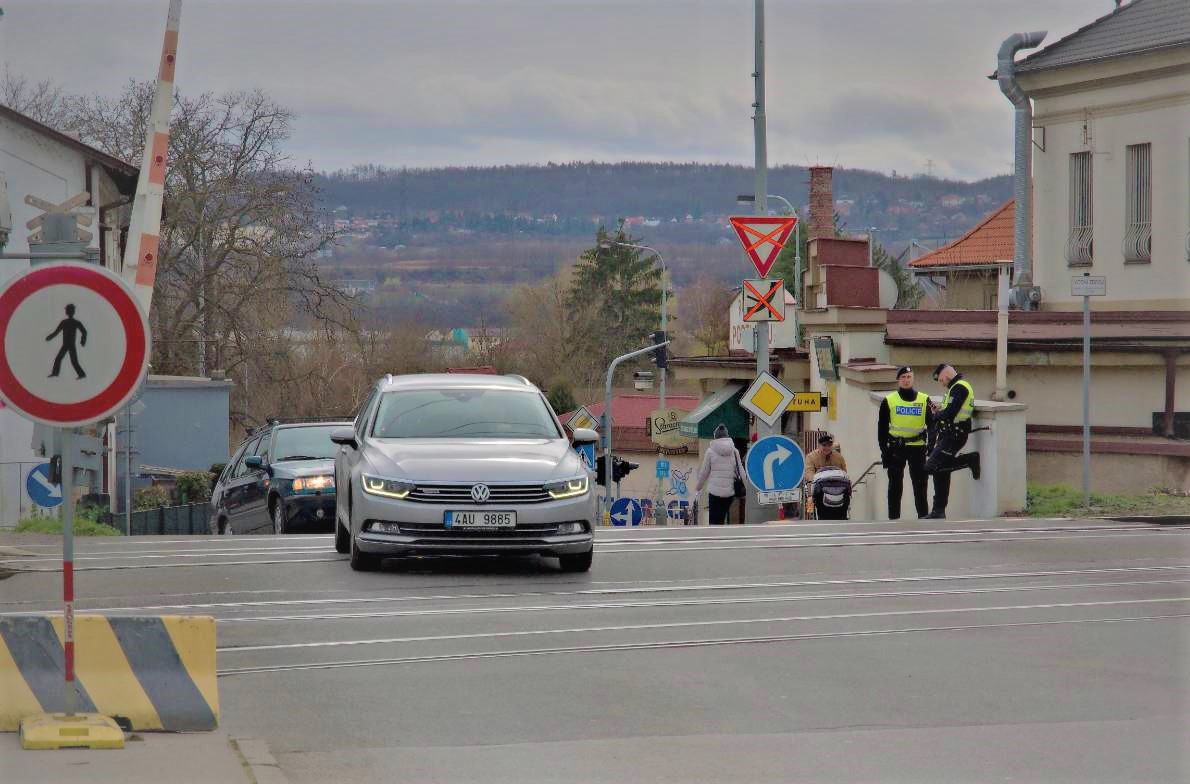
column 460, row 494
column 429, row 530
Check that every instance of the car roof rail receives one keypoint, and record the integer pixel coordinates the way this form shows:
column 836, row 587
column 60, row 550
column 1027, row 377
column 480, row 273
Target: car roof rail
column 311, row 420
column 519, row 378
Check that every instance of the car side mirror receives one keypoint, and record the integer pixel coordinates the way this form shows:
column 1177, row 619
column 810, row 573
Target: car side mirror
column 345, row 436
column 585, row 435
column 255, row 462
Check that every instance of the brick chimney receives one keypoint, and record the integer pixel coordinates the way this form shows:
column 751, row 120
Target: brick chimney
column 822, row 202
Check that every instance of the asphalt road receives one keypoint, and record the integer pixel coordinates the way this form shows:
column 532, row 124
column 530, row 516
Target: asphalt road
column 1008, row 650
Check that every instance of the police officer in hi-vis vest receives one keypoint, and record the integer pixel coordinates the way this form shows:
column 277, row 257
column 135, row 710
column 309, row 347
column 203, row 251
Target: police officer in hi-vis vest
column 953, row 422
column 901, row 432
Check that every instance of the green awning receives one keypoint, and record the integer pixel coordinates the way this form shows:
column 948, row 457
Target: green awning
column 721, row 407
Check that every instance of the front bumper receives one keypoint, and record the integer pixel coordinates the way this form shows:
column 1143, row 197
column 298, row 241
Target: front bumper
column 311, row 509
column 422, row 531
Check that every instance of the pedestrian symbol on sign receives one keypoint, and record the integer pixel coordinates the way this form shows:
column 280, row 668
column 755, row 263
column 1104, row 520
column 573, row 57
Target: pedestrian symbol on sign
column 70, row 329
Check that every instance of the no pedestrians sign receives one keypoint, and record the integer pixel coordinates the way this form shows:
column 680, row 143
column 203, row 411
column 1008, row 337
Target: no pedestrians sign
column 74, row 344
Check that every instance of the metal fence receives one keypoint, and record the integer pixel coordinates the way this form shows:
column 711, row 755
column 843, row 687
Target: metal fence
column 187, row 520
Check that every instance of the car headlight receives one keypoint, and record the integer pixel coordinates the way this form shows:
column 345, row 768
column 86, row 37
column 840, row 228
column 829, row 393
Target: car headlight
column 389, row 488
column 568, row 488
column 323, row 482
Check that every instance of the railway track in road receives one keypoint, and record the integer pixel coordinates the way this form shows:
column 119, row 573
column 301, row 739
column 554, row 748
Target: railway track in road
column 144, row 553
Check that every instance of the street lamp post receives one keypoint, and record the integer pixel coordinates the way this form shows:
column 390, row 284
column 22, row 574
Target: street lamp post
column 659, row 513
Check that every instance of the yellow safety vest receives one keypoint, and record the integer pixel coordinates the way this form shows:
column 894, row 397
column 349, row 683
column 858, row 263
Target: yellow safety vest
column 907, row 419
column 968, row 409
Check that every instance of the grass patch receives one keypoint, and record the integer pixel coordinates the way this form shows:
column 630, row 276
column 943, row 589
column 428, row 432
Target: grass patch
column 86, row 523
column 1066, row 501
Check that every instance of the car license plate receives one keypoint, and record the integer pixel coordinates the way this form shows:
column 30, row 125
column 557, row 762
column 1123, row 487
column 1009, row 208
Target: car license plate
column 480, row 520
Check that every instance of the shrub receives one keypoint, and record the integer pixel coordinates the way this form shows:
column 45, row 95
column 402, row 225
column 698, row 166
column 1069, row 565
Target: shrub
column 152, row 497
column 194, row 487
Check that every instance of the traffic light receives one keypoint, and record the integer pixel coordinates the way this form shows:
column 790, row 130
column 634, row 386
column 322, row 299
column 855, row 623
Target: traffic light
column 661, row 353
column 601, row 471
column 621, row 468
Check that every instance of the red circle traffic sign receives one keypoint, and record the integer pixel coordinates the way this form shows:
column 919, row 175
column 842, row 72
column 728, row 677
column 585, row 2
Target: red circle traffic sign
column 31, row 305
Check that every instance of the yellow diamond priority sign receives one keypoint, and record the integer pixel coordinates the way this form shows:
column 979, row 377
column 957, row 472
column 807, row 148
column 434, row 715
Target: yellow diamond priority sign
column 767, row 399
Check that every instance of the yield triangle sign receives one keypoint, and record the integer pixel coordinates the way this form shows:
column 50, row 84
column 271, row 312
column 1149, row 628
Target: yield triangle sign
column 763, row 238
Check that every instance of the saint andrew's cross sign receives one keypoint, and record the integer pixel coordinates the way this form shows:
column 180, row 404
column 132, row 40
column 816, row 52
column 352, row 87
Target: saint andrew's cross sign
column 764, row 300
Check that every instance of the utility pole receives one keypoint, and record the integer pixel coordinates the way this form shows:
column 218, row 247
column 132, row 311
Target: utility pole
column 754, row 512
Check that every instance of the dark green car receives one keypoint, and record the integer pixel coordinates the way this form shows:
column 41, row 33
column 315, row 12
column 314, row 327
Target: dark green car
column 280, row 480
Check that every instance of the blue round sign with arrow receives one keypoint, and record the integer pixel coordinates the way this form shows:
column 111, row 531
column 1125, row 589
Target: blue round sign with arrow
column 775, row 463
column 625, row 512
column 41, row 491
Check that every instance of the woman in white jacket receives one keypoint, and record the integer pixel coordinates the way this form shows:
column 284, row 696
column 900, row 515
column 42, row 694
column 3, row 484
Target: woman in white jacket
column 720, row 467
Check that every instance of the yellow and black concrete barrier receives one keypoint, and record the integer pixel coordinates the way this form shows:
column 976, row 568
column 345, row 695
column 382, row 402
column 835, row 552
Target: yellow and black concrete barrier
column 149, row 673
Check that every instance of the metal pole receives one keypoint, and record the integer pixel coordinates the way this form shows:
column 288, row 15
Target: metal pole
column 871, row 239
column 1086, row 399
column 67, row 463
column 659, row 514
column 128, row 470
column 753, row 511
column 607, row 417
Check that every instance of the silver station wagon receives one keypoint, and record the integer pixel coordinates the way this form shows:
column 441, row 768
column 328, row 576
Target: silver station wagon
column 461, row 465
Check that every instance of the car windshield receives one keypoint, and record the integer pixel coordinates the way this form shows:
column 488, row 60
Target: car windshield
column 464, row 413
column 304, row 443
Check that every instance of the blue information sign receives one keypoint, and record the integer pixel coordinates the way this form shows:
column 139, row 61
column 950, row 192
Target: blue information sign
column 775, row 463
column 587, row 453
column 41, row 491
column 663, row 469
column 625, row 512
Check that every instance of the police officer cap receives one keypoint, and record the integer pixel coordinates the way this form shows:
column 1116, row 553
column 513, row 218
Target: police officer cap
column 938, row 370
column 903, row 369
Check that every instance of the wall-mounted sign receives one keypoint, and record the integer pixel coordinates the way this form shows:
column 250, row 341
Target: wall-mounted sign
column 828, row 358
column 664, row 428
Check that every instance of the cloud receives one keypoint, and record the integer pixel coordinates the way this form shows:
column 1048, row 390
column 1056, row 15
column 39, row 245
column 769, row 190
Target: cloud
column 883, row 84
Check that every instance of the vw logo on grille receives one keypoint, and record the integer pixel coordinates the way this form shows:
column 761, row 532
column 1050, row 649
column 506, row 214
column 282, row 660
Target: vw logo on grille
column 480, row 493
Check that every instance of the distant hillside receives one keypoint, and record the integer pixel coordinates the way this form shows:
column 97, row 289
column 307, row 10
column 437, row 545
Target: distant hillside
column 567, row 198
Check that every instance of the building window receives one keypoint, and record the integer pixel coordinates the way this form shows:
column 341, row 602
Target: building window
column 1138, row 229
column 1079, row 245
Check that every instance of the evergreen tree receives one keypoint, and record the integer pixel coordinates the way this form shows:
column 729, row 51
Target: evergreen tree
column 615, row 297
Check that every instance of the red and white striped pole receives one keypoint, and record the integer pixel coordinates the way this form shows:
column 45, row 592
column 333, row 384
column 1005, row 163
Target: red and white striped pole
column 144, row 230
column 68, row 567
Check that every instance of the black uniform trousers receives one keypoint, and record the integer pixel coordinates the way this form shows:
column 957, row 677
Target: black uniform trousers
column 945, row 459
column 898, row 457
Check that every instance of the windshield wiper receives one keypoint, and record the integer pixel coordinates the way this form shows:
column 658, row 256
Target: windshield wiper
column 300, row 457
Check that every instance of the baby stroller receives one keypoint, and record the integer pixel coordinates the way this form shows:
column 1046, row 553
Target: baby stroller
column 832, row 494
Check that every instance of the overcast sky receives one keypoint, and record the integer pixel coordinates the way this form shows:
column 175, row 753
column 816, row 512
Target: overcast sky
column 878, row 84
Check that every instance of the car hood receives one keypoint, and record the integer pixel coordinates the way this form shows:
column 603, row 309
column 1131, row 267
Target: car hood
column 292, row 469
column 473, row 460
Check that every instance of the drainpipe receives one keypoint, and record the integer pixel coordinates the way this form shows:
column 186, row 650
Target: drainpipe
column 1022, row 257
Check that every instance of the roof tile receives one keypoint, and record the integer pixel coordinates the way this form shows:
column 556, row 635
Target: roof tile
column 989, row 241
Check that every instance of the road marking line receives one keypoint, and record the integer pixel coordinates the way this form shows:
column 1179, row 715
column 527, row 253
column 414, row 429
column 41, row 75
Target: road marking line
column 678, row 644
column 678, row 625
column 638, row 589
column 631, row 605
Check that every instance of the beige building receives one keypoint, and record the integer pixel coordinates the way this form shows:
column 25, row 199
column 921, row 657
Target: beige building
column 1111, row 158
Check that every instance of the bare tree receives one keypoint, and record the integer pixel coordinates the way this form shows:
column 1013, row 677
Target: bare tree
column 542, row 335
column 235, row 277
column 703, row 306
column 44, row 101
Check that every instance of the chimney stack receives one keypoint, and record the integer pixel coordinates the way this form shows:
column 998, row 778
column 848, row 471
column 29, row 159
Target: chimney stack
column 822, row 202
